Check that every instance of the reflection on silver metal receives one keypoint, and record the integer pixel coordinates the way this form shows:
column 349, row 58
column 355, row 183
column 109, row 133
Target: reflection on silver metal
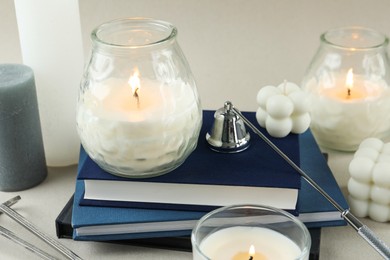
column 5, row 208
column 228, row 133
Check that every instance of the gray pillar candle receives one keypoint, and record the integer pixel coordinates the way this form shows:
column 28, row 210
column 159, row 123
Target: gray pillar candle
column 22, row 157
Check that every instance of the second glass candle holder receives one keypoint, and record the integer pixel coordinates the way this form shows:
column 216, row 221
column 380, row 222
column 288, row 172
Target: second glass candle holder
column 348, row 84
column 250, row 232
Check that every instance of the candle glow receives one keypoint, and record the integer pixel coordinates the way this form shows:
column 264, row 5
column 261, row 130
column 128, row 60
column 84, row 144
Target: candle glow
column 250, row 254
column 349, row 81
column 252, row 251
column 130, row 136
column 348, row 104
column 233, row 243
column 135, row 85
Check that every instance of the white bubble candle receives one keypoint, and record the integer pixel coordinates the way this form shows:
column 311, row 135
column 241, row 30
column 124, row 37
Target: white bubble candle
column 369, row 183
column 283, row 109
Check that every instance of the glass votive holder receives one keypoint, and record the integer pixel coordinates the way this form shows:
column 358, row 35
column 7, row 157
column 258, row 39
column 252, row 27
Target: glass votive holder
column 138, row 113
column 250, row 232
column 348, row 83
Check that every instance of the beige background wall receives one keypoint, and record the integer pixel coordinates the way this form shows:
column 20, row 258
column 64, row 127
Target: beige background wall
column 233, row 46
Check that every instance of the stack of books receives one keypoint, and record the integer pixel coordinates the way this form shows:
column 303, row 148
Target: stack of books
column 108, row 207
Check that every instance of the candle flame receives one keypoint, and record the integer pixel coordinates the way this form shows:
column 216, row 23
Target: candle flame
column 252, row 250
column 349, row 81
column 135, row 82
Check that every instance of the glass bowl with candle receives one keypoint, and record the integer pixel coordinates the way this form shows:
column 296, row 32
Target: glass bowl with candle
column 242, row 232
column 348, row 84
column 139, row 113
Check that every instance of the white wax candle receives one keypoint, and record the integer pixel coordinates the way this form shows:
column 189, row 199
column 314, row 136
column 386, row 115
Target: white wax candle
column 342, row 121
column 369, row 185
column 112, row 126
column 283, row 109
column 50, row 39
column 234, row 242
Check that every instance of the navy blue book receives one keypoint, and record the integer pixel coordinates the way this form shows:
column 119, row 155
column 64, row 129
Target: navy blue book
column 113, row 223
column 314, row 210
column 106, row 223
column 206, row 180
column 64, row 230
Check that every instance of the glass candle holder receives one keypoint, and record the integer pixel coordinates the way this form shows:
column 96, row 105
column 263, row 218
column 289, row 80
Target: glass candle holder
column 139, row 113
column 250, row 232
column 348, row 84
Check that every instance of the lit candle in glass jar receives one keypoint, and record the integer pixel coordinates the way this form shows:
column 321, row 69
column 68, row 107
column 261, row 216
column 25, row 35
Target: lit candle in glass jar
column 348, row 106
column 347, row 111
column 138, row 112
column 139, row 123
column 352, row 90
column 255, row 232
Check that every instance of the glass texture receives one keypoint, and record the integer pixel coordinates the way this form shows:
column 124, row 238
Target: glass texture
column 139, row 113
column 348, row 84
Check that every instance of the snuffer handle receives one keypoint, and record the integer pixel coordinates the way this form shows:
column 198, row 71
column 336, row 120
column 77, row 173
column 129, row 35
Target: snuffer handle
column 367, row 234
column 362, row 230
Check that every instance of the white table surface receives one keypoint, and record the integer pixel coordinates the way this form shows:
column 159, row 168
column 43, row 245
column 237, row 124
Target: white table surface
column 42, row 204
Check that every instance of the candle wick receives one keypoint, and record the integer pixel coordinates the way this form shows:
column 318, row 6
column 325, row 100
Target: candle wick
column 136, row 96
column 349, row 92
column 251, row 258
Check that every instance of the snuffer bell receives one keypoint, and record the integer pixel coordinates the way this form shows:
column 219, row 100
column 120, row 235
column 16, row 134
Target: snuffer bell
column 228, row 133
